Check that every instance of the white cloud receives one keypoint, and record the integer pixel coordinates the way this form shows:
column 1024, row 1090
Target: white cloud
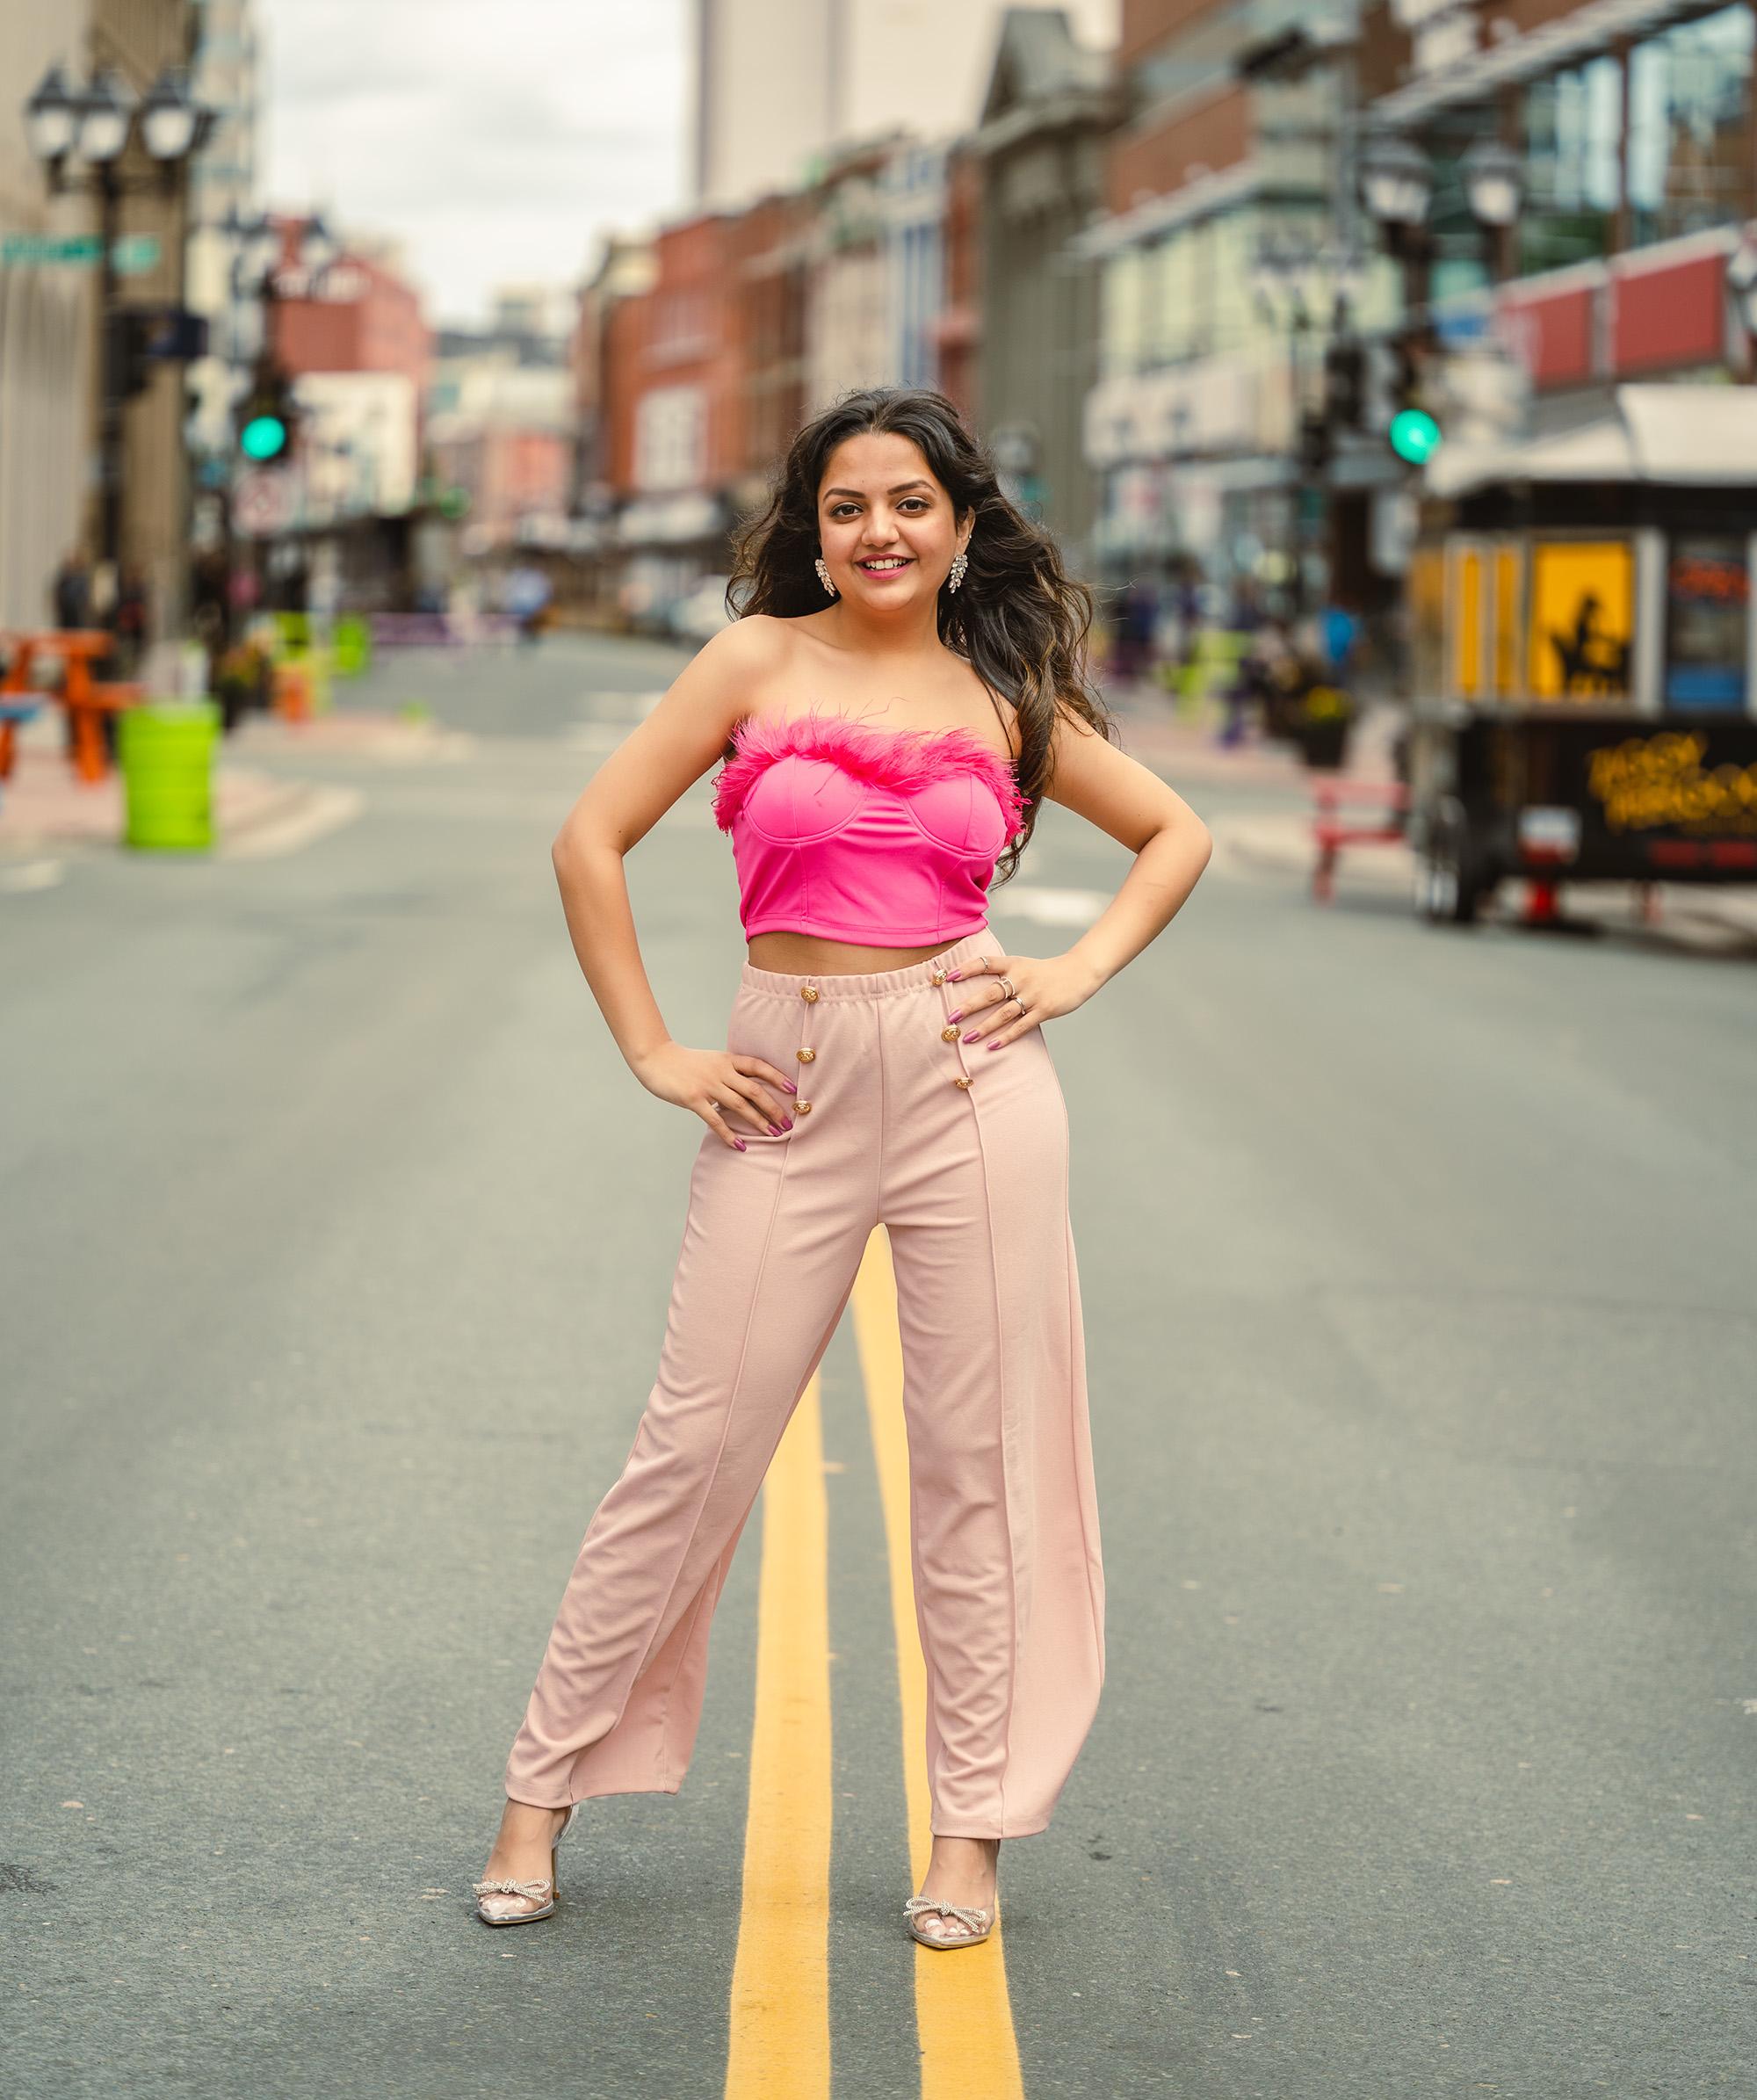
column 498, row 139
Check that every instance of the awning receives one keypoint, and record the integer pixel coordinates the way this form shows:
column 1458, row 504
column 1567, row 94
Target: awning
column 1702, row 437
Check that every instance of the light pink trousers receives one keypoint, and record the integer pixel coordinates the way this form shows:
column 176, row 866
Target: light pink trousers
column 962, row 1156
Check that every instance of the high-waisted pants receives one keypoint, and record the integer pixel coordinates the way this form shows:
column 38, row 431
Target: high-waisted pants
column 962, row 1154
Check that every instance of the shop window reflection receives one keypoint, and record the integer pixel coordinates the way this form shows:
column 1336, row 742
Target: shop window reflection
column 1689, row 126
column 1573, row 124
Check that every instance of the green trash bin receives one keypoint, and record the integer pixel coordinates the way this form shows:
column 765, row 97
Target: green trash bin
column 166, row 751
column 351, row 646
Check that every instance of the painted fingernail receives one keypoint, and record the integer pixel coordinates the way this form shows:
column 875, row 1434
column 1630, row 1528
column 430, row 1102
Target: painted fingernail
column 958, row 1016
column 741, row 1144
column 775, row 1131
column 791, row 1087
column 952, row 976
column 996, row 1044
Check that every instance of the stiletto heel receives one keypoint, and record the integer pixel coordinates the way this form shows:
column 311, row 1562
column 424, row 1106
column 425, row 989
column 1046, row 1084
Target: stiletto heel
column 541, row 1891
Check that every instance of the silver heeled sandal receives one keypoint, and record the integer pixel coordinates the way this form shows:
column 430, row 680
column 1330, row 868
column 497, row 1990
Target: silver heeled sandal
column 980, row 1922
column 532, row 1891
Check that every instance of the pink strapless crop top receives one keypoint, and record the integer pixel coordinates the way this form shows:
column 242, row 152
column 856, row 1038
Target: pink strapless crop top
column 886, row 837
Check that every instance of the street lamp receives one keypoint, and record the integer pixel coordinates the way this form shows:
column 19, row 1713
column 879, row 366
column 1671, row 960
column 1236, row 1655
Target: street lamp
column 172, row 123
column 1397, row 181
column 105, row 113
column 1301, row 286
column 1495, row 181
column 94, row 126
column 52, row 119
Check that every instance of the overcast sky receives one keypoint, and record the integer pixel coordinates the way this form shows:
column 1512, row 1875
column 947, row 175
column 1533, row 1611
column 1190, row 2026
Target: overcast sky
column 495, row 138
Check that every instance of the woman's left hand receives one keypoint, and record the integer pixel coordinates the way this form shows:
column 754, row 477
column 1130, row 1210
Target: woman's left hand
column 1054, row 984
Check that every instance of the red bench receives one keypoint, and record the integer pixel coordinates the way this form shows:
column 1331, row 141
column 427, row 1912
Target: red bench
column 1333, row 827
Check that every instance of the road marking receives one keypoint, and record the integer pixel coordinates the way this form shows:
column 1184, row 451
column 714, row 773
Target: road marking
column 964, row 2019
column 32, row 875
column 313, row 815
column 780, row 1978
column 1050, row 906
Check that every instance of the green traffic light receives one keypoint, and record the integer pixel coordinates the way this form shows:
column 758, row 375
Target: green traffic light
column 264, row 437
column 1414, row 435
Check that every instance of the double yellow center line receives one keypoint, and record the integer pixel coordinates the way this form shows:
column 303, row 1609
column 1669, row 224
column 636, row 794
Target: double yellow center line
column 780, row 2038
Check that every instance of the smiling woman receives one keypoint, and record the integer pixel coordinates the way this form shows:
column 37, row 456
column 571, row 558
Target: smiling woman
column 904, row 686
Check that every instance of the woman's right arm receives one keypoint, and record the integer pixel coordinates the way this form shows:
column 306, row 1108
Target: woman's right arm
column 654, row 765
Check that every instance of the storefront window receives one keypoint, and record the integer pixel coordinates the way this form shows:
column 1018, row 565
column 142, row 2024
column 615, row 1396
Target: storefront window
column 1573, row 124
column 1175, row 331
column 1123, row 348
column 1689, row 138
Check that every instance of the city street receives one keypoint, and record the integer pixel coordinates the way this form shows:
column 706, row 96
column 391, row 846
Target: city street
column 1416, row 1267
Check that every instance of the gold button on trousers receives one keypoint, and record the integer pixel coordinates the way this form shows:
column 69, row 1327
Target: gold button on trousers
column 963, row 1158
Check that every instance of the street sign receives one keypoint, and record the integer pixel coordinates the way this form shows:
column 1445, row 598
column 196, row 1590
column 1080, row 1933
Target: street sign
column 262, row 503
column 132, row 253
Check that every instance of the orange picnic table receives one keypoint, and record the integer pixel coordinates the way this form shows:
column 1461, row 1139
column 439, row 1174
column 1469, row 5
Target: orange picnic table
column 86, row 701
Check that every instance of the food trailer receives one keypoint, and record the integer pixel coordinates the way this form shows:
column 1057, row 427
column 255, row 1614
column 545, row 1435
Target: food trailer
column 1584, row 656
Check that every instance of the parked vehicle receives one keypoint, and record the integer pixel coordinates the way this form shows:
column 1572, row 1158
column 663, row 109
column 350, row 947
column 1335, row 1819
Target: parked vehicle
column 1585, row 662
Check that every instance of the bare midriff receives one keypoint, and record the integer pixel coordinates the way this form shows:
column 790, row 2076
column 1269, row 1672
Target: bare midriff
column 808, row 954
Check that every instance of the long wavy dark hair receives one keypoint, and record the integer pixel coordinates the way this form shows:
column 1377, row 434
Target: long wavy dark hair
column 1018, row 618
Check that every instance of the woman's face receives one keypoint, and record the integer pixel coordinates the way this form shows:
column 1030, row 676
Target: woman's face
column 884, row 523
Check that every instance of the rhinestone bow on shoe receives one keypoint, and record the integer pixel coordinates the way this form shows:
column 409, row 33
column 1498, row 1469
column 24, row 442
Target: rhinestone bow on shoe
column 541, row 1893
column 535, row 1890
column 980, row 1923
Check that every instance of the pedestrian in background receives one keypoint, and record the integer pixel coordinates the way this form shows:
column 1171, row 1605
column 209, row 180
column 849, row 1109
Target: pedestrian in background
column 71, row 592
column 908, row 662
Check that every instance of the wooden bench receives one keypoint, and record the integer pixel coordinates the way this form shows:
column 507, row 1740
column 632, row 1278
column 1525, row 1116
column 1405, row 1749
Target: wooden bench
column 1333, row 827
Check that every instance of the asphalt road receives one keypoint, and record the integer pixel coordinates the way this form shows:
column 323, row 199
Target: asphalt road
column 337, row 1239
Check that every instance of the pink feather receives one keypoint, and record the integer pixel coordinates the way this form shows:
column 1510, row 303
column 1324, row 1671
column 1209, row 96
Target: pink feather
column 906, row 760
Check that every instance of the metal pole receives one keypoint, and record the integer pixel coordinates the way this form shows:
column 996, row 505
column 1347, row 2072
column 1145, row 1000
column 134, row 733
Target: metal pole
column 110, row 413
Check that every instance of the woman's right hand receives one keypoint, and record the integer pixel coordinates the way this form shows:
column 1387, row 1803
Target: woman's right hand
column 712, row 1081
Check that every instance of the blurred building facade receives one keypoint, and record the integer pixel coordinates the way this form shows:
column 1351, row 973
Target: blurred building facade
column 47, row 329
column 699, row 350
column 355, row 341
column 502, row 405
column 224, row 193
column 51, row 372
column 1636, row 124
column 780, row 83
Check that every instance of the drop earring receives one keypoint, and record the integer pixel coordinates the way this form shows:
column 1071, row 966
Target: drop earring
column 823, row 576
column 959, row 563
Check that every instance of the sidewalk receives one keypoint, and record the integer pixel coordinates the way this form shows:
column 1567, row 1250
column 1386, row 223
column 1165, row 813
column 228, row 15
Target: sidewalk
column 255, row 812
column 1184, row 745
column 1280, row 841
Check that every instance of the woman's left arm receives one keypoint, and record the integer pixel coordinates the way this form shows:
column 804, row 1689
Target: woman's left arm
column 1171, row 845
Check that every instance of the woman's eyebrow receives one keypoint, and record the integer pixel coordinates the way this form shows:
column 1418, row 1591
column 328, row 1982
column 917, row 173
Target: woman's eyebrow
column 897, row 490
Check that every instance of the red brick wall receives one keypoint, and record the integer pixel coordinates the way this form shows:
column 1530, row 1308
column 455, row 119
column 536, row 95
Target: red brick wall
column 1147, row 24
column 1160, row 155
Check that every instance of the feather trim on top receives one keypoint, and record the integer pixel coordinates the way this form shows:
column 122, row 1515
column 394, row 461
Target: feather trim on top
column 906, row 760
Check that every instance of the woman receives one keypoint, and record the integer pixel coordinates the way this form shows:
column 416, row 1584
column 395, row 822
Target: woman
column 905, row 680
